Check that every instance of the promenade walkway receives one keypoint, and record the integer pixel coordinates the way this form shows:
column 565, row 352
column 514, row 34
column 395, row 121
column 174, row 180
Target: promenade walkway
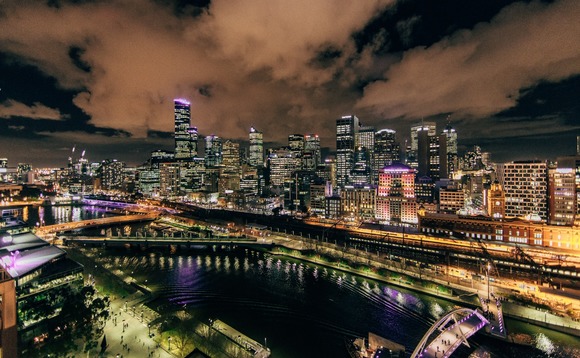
column 128, row 335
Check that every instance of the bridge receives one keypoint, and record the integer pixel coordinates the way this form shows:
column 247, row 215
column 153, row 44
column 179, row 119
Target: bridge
column 83, row 224
column 164, row 241
column 447, row 334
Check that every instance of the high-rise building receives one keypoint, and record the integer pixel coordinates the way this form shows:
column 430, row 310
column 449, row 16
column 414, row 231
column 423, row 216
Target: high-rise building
column 185, row 135
column 361, row 171
column 231, row 156
column 282, row 162
column 213, row 151
column 169, row 179
column 111, row 174
column 413, row 153
column 256, row 148
column 525, row 185
column 358, row 202
column 312, row 156
column 561, row 196
column 450, row 138
column 296, row 143
column 346, row 132
column 386, row 151
column 396, row 202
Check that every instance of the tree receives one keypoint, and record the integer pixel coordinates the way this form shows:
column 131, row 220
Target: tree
column 80, row 321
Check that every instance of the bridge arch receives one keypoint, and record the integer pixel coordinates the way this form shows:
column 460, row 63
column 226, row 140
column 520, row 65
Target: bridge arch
column 455, row 327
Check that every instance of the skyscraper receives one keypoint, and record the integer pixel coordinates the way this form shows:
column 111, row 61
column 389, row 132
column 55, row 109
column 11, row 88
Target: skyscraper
column 526, row 186
column 386, row 151
column 231, row 156
column 213, row 151
column 450, row 138
column 413, row 155
column 296, row 143
column 256, row 148
column 346, row 131
column 312, row 156
column 185, row 135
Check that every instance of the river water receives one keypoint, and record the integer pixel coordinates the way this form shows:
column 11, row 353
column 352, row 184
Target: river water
column 297, row 309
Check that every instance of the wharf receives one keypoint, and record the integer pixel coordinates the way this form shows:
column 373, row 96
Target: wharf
column 258, row 350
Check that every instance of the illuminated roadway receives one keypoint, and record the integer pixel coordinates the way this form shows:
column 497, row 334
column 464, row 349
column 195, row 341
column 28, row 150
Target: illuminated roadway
column 83, row 224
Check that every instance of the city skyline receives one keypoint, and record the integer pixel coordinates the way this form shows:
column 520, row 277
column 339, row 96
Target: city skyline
column 103, row 76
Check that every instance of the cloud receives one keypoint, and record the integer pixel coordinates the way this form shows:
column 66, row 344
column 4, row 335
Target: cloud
column 12, row 108
column 481, row 72
column 255, row 56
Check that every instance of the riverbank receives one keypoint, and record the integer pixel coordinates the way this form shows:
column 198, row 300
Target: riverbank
column 423, row 283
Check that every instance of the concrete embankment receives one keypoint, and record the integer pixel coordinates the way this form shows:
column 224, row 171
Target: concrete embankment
column 434, row 286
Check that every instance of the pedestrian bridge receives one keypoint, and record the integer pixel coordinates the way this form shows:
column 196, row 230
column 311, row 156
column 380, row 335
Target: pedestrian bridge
column 445, row 336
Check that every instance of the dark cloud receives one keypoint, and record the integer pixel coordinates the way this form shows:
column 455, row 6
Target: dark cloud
column 111, row 69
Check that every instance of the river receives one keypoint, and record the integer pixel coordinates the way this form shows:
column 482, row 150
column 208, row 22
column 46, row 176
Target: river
column 298, row 309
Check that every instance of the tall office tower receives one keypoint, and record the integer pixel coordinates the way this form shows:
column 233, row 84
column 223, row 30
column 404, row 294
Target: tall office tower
column 473, row 160
column 413, row 155
column 185, row 135
column 296, row 143
column 361, row 171
column 561, row 196
column 423, row 152
column 22, row 172
column 169, row 179
column 256, row 148
column 213, row 151
column 365, row 137
column 450, row 138
column 396, row 202
column 525, row 185
column 386, row 152
column 283, row 162
column 111, row 174
column 312, row 156
column 231, row 156
column 346, row 132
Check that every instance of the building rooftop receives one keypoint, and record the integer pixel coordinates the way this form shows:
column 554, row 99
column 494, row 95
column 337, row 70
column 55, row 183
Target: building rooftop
column 18, row 263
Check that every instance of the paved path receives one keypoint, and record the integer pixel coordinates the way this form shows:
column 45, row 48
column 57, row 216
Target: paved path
column 131, row 341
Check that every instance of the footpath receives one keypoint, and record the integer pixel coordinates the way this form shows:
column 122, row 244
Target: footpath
column 451, row 288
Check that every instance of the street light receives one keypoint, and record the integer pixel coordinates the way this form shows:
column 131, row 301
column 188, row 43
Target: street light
column 488, row 268
column 149, row 328
column 169, row 343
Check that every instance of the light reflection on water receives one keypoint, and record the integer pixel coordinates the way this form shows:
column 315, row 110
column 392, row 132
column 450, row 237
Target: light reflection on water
column 288, row 301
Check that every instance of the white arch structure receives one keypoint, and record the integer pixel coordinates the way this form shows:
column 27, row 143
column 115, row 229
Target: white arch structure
column 455, row 328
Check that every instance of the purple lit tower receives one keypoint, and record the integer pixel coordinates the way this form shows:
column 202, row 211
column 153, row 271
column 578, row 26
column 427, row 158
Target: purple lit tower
column 185, row 135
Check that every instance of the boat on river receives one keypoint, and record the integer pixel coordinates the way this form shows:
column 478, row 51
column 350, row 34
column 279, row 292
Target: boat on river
column 374, row 346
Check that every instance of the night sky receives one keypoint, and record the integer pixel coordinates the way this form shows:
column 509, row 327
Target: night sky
column 101, row 75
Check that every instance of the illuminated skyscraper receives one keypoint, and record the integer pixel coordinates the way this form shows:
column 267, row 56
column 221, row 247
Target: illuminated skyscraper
column 256, row 148
column 561, row 196
column 231, row 156
column 526, row 186
column 213, row 151
column 450, row 138
column 386, row 151
column 312, row 157
column 185, row 135
column 413, row 155
column 346, row 131
column 296, row 143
